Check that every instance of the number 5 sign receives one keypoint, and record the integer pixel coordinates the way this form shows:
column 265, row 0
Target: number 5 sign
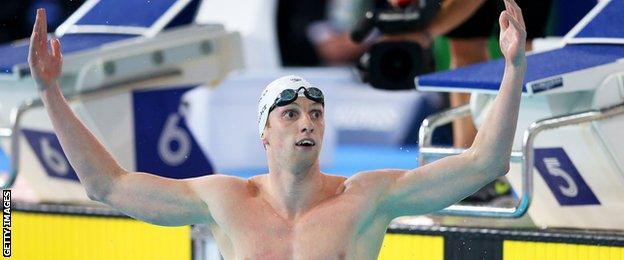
column 563, row 178
column 163, row 143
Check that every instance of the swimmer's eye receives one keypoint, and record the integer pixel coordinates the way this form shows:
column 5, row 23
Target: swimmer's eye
column 290, row 114
column 316, row 114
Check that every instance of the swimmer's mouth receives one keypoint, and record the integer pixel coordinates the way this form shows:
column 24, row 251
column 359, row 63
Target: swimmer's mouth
column 306, row 142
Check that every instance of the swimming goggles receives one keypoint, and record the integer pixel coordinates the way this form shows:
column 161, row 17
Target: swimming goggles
column 290, row 95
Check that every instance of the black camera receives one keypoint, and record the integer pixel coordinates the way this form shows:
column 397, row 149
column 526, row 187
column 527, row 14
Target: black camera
column 393, row 65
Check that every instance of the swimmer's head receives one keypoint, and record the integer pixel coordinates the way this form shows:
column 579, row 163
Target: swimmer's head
column 284, row 91
column 291, row 123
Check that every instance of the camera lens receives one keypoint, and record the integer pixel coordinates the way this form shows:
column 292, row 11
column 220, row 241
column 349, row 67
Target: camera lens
column 396, row 64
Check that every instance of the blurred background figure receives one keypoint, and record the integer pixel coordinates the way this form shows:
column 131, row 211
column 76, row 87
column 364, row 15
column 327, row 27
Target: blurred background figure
column 469, row 44
column 316, row 33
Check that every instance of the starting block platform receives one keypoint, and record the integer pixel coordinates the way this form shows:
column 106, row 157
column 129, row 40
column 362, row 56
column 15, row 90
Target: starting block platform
column 569, row 126
column 127, row 66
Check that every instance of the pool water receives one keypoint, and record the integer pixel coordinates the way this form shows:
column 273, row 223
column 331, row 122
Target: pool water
column 4, row 161
column 351, row 159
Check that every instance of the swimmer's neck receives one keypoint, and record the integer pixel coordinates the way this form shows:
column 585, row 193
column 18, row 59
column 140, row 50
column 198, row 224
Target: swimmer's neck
column 293, row 191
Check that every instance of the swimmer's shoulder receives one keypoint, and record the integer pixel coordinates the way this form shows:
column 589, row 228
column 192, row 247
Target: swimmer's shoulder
column 335, row 184
column 221, row 185
column 370, row 181
column 366, row 182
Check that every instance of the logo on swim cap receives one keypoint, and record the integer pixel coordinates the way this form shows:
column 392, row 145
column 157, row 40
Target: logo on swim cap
column 261, row 113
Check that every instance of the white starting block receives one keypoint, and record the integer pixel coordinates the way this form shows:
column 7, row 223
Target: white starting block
column 127, row 65
column 569, row 126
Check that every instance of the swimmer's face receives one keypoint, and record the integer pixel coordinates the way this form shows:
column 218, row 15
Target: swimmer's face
column 294, row 132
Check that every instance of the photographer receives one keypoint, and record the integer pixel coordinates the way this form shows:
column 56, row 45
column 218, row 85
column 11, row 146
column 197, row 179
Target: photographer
column 451, row 14
column 406, row 43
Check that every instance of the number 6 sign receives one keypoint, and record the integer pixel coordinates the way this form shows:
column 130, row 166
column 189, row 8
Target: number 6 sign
column 49, row 152
column 164, row 144
column 174, row 134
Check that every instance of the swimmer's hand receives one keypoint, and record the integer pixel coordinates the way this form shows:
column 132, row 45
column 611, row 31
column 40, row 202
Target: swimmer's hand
column 512, row 34
column 45, row 67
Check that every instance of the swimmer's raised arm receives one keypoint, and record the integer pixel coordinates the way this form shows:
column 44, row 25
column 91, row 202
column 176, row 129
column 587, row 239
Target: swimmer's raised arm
column 147, row 197
column 444, row 182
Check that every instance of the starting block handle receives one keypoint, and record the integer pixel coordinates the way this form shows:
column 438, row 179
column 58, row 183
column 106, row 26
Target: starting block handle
column 13, row 133
column 429, row 153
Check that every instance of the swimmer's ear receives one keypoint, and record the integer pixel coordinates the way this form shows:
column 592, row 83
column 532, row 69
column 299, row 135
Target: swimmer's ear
column 265, row 141
column 263, row 137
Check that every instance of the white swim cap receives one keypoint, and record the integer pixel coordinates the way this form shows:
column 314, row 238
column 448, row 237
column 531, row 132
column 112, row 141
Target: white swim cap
column 272, row 91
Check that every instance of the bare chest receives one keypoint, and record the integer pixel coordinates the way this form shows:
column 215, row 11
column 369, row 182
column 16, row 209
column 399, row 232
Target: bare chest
column 332, row 230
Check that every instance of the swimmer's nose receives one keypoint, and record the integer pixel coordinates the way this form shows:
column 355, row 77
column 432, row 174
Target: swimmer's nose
column 307, row 125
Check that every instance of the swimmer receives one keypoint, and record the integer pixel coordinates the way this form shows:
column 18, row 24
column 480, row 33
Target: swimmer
column 294, row 211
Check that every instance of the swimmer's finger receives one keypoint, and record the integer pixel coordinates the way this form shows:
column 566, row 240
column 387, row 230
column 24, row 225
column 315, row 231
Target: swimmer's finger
column 514, row 11
column 38, row 38
column 503, row 20
column 41, row 24
column 34, row 38
column 519, row 27
column 56, row 48
column 518, row 15
column 509, row 7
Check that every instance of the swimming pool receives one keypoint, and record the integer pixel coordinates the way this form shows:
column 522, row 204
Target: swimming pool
column 350, row 159
column 4, row 161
